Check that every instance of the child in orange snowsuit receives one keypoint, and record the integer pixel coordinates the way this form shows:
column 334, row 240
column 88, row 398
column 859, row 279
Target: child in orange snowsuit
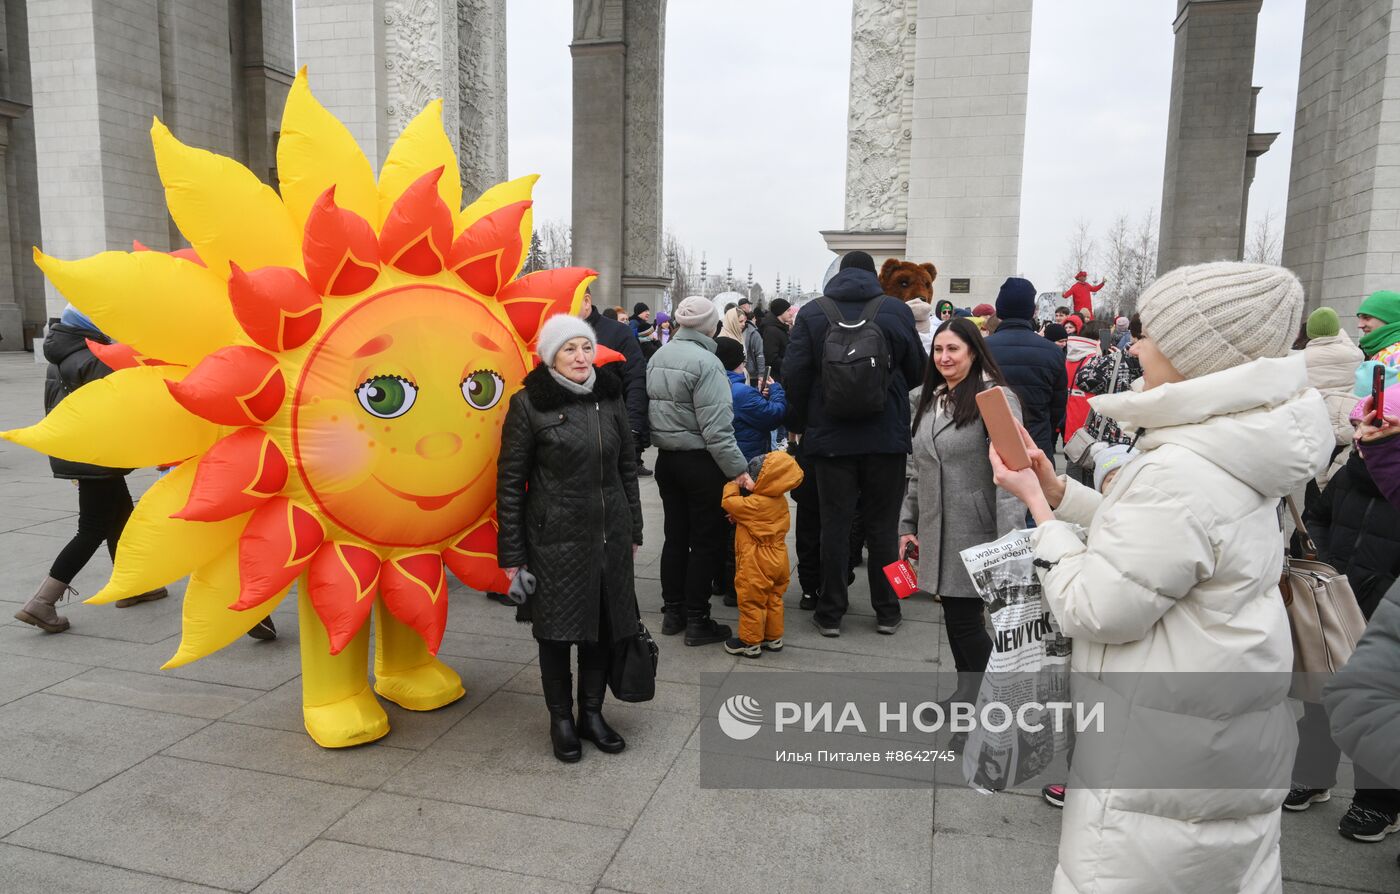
column 760, row 551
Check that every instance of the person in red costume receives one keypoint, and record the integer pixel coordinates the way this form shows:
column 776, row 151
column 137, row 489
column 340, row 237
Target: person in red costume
column 1082, row 293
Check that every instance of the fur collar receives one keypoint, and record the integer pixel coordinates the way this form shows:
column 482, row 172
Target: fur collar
column 547, row 394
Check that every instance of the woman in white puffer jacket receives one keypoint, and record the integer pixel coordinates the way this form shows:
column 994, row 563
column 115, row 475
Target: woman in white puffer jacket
column 1180, row 573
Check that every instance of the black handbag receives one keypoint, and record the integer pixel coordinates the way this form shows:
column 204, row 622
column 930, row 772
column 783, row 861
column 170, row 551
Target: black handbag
column 632, row 676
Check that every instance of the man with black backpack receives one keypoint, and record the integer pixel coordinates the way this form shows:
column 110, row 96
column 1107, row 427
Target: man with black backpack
column 852, row 357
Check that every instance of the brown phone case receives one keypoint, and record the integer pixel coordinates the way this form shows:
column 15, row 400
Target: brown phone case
column 1001, row 426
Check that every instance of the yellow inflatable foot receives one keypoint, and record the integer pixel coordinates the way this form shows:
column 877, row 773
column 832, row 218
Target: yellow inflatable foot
column 426, row 687
column 350, row 721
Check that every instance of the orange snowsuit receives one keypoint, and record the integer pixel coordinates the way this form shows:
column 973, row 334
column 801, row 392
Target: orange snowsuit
column 760, row 547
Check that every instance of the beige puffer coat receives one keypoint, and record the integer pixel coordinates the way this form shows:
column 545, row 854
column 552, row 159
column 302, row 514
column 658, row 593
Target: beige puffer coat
column 1180, row 573
column 1332, row 362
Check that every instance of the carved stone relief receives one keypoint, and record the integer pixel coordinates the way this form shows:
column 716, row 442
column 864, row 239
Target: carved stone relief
column 420, row 39
column 878, row 135
column 481, row 88
column 642, row 216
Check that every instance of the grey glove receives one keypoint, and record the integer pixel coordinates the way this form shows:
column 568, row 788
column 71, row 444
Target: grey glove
column 522, row 588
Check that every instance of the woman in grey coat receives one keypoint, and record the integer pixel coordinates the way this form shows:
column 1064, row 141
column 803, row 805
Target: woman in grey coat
column 950, row 503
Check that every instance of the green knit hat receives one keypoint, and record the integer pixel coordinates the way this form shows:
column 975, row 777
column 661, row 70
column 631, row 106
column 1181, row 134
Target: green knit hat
column 1383, row 305
column 1323, row 322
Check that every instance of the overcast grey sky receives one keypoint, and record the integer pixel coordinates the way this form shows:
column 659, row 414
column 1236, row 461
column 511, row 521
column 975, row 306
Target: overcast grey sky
column 755, row 121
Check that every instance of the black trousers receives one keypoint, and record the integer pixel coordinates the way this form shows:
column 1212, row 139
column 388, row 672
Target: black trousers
column 104, row 505
column 876, row 482
column 1316, row 763
column 696, row 533
column 808, row 525
column 967, row 633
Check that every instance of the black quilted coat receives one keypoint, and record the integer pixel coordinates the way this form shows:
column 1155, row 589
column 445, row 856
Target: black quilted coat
column 1357, row 532
column 568, row 505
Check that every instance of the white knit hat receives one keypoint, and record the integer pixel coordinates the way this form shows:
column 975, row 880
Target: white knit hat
column 558, row 331
column 1211, row 317
column 699, row 313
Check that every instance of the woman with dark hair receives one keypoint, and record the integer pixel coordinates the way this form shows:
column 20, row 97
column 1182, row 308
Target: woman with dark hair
column 951, row 503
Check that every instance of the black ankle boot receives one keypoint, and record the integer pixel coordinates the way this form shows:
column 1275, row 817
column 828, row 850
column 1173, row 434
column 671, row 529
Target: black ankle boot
column 701, row 629
column 559, row 697
column 672, row 619
column 592, row 686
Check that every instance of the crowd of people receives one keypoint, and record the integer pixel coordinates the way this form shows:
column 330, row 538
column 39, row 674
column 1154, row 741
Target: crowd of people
column 1183, row 429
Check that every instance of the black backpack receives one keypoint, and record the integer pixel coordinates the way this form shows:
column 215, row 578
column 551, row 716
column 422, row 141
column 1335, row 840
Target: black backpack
column 856, row 366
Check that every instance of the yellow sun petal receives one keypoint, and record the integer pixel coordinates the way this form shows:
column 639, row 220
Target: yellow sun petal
column 164, row 307
column 226, row 212
column 128, row 420
column 208, row 623
column 156, row 550
column 422, row 147
column 316, row 152
column 521, row 189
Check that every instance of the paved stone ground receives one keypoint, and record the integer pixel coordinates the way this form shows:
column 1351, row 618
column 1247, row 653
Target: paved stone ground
column 116, row 777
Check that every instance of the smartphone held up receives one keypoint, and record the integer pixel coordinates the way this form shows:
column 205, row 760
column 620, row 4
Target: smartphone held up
column 1003, row 428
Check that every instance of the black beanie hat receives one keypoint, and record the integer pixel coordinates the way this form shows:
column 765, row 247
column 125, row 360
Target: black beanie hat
column 729, row 352
column 1055, row 332
column 1016, row 300
column 639, row 308
column 779, row 306
column 859, row 260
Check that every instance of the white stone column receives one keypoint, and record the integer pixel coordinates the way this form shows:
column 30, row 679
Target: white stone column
column 1208, row 126
column 643, row 279
column 342, row 45
column 879, row 129
column 972, row 62
column 599, row 128
column 481, row 89
column 1342, row 234
column 263, row 43
column 96, row 85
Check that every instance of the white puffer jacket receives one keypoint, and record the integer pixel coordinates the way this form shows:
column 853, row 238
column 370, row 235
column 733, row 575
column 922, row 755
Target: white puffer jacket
column 1180, row 573
column 1332, row 362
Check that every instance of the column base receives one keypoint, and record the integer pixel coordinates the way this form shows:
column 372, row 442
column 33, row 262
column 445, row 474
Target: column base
column 11, row 328
column 879, row 244
column 649, row 290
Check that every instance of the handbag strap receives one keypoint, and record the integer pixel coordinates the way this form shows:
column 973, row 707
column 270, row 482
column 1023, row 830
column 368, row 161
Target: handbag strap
column 1309, row 547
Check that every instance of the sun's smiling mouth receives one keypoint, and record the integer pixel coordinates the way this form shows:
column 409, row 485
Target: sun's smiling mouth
column 424, row 502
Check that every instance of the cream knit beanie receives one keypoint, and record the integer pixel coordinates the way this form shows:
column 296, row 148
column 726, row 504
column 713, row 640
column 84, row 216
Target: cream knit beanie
column 558, row 331
column 1210, row 317
column 699, row 313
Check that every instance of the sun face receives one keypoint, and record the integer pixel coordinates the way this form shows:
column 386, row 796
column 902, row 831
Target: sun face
column 327, row 368
column 394, row 404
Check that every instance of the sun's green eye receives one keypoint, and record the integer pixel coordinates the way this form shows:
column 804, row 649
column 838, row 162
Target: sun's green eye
column 387, row 397
column 483, row 389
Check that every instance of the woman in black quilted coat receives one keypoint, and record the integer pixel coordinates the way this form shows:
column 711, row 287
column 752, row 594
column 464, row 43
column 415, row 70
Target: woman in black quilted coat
column 570, row 515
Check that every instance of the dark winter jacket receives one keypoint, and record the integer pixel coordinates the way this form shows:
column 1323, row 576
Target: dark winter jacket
column 1357, row 531
column 756, row 416
column 71, row 366
column 775, row 342
column 887, row 432
column 568, row 506
column 1035, row 368
column 1383, row 462
column 621, row 338
column 1363, row 699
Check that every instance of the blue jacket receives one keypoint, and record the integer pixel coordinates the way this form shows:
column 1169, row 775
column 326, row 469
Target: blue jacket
column 887, row 432
column 1034, row 367
column 755, row 417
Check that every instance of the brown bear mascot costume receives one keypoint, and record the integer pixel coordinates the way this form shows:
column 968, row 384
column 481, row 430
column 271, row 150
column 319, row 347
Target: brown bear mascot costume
column 913, row 284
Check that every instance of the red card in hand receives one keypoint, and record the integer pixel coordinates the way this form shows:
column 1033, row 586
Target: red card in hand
column 902, row 578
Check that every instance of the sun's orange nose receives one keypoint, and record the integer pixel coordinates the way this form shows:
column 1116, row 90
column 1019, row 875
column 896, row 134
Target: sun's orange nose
column 439, row 445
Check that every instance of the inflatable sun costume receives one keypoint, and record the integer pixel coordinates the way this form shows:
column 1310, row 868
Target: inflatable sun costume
column 328, row 371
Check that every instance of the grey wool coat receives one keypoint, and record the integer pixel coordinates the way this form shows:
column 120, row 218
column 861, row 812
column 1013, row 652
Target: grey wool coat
column 950, row 501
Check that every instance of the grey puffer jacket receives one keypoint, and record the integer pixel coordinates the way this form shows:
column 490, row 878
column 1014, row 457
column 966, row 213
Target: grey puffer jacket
column 691, row 407
column 1363, row 699
column 568, row 506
